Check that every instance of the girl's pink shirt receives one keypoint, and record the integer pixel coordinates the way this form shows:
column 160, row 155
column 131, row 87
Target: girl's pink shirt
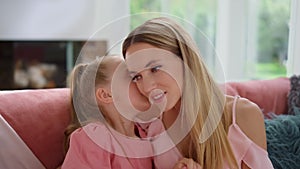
column 95, row 146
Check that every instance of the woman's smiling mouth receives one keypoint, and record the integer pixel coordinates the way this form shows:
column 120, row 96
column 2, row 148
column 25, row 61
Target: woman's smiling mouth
column 156, row 96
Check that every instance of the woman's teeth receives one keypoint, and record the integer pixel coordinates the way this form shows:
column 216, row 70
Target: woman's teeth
column 158, row 96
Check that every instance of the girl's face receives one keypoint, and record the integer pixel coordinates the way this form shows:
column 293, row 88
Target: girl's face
column 137, row 100
column 156, row 72
column 123, row 85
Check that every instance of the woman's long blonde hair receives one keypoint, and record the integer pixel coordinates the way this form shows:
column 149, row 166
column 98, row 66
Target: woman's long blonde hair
column 207, row 102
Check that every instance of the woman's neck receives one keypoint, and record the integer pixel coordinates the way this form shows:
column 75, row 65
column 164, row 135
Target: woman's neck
column 170, row 116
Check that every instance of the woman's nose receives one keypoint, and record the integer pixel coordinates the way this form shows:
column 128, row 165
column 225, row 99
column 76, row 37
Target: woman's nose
column 148, row 83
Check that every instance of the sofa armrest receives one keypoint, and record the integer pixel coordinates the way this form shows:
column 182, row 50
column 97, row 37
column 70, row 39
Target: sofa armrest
column 40, row 118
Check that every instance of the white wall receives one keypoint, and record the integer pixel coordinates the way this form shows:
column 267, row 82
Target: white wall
column 230, row 37
column 236, row 37
column 61, row 19
column 294, row 40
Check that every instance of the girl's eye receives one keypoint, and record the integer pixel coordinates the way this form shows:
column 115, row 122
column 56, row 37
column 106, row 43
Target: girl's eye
column 155, row 68
column 136, row 78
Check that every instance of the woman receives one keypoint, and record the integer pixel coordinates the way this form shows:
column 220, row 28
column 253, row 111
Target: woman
column 222, row 131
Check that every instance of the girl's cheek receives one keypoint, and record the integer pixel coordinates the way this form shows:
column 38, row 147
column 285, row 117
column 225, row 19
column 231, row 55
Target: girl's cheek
column 138, row 101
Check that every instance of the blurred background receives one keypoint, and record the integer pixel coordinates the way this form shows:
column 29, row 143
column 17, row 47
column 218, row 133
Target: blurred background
column 246, row 39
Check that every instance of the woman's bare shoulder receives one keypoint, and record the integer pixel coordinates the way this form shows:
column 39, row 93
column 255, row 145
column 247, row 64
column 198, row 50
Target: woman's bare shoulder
column 250, row 119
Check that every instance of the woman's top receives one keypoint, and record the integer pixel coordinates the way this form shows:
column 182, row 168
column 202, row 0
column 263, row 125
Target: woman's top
column 166, row 155
column 244, row 149
column 97, row 146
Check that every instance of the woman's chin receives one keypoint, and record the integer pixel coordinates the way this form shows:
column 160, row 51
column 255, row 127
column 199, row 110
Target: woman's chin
column 142, row 107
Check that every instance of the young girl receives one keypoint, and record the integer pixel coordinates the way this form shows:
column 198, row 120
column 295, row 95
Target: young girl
column 106, row 139
column 207, row 128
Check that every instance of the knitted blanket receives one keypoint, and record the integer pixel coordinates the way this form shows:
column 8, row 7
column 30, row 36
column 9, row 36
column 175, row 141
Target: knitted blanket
column 283, row 141
column 283, row 132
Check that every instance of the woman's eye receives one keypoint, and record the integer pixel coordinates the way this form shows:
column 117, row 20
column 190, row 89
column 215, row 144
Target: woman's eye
column 136, row 78
column 155, row 68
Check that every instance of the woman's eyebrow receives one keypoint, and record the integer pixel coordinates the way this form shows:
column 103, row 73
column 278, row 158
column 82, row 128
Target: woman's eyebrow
column 146, row 66
column 132, row 73
column 150, row 63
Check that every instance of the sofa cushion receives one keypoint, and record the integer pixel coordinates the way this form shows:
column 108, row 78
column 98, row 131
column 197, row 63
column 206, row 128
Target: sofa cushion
column 13, row 146
column 40, row 121
column 270, row 95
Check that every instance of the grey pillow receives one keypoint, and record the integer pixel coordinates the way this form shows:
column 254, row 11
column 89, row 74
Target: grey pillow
column 294, row 95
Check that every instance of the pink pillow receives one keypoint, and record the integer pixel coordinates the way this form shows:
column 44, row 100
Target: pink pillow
column 269, row 95
column 40, row 118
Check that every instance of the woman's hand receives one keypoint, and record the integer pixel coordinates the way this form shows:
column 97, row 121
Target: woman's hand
column 187, row 163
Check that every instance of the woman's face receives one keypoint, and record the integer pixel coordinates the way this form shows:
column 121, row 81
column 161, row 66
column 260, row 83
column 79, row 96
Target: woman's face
column 156, row 72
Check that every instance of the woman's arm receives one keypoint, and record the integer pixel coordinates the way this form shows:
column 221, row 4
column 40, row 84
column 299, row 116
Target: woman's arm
column 251, row 121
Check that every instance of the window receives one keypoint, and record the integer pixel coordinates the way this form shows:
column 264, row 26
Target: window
column 272, row 42
column 250, row 37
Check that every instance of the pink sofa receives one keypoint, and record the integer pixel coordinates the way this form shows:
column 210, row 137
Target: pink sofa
column 39, row 117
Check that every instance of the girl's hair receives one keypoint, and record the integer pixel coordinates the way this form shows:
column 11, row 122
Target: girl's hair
column 205, row 103
column 82, row 80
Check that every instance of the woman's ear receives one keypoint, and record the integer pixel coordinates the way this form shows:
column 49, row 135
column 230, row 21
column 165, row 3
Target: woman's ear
column 103, row 96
